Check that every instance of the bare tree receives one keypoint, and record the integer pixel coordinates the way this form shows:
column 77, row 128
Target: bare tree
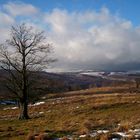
column 25, row 52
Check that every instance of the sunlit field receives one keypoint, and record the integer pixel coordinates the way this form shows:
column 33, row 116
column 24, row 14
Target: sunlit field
column 75, row 113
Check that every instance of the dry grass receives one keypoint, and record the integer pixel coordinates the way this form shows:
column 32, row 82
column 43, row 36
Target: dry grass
column 124, row 127
column 77, row 114
column 104, row 137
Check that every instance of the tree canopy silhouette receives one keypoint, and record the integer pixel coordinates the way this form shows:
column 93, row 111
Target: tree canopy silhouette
column 24, row 52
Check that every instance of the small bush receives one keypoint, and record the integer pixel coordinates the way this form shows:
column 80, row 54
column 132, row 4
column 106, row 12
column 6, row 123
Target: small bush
column 124, row 127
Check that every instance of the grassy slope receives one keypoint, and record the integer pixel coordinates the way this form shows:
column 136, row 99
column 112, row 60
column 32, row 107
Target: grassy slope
column 77, row 112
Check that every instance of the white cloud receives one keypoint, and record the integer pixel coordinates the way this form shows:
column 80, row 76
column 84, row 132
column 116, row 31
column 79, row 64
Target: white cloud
column 93, row 39
column 5, row 19
column 5, row 22
column 20, row 9
column 82, row 40
column 8, row 13
column 4, row 34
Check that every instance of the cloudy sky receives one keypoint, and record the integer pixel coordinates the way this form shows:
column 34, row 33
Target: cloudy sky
column 86, row 34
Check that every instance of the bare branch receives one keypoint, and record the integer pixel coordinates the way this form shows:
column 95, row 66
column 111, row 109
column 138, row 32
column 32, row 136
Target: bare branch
column 24, row 52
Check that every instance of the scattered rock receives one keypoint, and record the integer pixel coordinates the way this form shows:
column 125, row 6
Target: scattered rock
column 82, row 136
column 10, row 108
column 41, row 112
column 37, row 103
column 102, row 131
column 14, row 107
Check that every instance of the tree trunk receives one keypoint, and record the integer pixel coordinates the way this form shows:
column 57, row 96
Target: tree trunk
column 24, row 101
column 23, row 106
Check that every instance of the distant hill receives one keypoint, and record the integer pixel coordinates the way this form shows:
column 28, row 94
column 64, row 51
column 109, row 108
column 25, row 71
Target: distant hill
column 45, row 82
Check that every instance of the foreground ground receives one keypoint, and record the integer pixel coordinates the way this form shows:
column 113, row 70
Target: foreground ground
column 75, row 113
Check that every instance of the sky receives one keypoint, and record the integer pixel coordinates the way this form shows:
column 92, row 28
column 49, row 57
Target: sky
column 86, row 34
